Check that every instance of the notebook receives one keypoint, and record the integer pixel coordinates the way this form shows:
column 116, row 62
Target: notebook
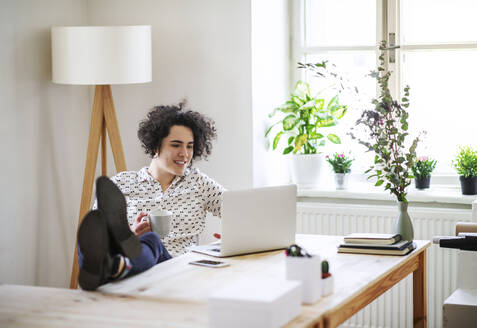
column 255, row 220
column 404, row 249
column 372, row 238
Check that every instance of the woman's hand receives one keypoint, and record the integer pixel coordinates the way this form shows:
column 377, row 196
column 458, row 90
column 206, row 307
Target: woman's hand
column 139, row 226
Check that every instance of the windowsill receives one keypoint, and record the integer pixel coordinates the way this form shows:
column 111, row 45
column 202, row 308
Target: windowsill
column 364, row 191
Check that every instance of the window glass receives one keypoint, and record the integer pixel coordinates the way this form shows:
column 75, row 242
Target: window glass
column 442, row 79
column 442, row 101
column 340, row 22
column 354, row 67
column 438, row 21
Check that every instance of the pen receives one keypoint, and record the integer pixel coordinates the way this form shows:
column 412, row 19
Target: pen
column 296, row 251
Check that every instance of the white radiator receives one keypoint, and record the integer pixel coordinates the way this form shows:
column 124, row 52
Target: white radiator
column 393, row 308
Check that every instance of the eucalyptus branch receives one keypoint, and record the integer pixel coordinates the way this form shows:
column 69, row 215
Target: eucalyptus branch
column 386, row 125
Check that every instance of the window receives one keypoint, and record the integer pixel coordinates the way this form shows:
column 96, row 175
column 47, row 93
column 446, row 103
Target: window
column 437, row 58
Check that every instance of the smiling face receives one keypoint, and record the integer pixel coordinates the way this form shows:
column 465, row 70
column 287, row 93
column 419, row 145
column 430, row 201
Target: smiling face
column 176, row 151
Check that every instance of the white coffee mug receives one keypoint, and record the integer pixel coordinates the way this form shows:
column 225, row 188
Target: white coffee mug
column 160, row 221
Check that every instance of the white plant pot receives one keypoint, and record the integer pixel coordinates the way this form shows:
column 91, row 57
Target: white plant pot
column 341, row 181
column 327, row 286
column 306, row 169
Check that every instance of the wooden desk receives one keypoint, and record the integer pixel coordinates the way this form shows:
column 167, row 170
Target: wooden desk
column 174, row 293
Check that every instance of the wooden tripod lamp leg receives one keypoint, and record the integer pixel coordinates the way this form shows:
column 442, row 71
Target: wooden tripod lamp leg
column 104, row 161
column 113, row 130
column 102, row 118
column 89, row 170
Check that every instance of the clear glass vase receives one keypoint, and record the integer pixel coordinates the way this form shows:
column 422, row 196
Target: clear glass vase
column 341, row 181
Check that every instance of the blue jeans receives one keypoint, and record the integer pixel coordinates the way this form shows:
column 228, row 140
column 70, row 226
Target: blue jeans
column 153, row 252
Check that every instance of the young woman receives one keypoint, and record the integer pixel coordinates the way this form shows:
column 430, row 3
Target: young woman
column 174, row 138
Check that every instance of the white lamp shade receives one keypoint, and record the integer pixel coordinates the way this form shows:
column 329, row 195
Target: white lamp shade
column 101, row 54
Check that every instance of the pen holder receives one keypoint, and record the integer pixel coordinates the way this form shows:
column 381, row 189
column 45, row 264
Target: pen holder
column 308, row 271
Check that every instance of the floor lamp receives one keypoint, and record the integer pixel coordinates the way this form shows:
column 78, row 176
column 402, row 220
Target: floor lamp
column 100, row 56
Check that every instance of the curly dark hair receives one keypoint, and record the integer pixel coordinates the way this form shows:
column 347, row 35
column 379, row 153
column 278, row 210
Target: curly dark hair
column 156, row 126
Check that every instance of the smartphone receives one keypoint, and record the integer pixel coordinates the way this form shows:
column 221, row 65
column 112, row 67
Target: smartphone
column 210, row 263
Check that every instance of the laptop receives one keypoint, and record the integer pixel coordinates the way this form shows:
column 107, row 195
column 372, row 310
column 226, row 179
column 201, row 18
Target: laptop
column 255, row 220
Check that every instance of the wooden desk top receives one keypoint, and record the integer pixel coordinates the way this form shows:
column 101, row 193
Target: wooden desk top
column 177, row 280
column 174, row 293
column 27, row 306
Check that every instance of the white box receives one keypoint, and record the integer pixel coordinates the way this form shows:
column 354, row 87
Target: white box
column 460, row 309
column 255, row 303
column 308, row 271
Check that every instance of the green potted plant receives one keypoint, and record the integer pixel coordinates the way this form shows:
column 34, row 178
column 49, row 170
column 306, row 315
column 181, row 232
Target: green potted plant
column 422, row 170
column 302, row 123
column 341, row 165
column 386, row 129
column 466, row 166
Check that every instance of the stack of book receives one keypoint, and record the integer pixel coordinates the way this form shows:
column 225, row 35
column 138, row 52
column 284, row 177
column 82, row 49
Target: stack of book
column 376, row 243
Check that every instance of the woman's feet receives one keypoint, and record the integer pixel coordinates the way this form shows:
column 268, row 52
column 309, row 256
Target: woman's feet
column 105, row 241
column 93, row 243
column 99, row 265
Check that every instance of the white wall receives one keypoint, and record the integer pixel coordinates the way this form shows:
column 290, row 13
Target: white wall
column 44, row 136
column 270, row 84
column 201, row 51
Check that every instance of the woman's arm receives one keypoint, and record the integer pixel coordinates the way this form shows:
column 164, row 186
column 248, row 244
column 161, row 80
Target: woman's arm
column 213, row 193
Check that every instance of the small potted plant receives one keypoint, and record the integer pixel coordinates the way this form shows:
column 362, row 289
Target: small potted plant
column 466, row 166
column 422, row 170
column 341, row 165
column 304, row 123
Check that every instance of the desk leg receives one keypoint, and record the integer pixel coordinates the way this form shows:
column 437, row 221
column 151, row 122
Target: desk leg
column 420, row 292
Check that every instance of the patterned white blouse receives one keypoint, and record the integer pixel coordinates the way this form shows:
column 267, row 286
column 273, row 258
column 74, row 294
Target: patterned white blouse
column 189, row 198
